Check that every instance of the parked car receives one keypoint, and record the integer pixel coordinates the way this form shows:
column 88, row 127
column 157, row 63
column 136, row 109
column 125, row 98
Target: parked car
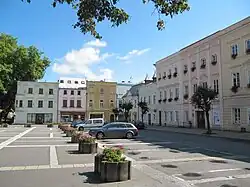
column 75, row 123
column 115, row 130
column 140, row 125
column 90, row 123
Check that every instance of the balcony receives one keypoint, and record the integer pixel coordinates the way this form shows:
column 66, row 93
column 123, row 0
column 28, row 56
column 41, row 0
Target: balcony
column 193, row 69
column 175, row 74
column 185, row 71
column 233, row 56
column 214, row 62
column 176, row 98
column 170, row 100
column 203, row 66
column 234, row 88
column 169, row 76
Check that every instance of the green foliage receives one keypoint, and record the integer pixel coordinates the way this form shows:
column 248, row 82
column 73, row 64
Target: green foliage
column 127, row 107
column 144, row 107
column 113, row 155
column 91, row 12
column 86, row 138
column 116, row 111
column 203, row 98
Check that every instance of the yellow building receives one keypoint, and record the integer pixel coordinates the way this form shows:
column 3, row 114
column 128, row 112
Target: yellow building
column 101, row 99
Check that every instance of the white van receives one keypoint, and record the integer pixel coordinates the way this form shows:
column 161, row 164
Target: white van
column 90, row 123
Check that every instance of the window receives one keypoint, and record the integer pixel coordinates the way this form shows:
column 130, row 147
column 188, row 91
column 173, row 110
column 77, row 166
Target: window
column 194, row 64
column 82, row 82
column 234, row 49
column 177, row 92
column 236, row 115
column 154, row 99
column 72, row 92
column 165, row 94
column 177, row 116
column 164, row 74
column 40, row 104
column 185, row 67
column 50, row 104
column 97, row 121
column 236, row 79
column 171, row 116
column 71, row 103
column 186, row 116
column 149, row 100
column 29, row 103
column 78, row 104
column 21, row 103
column 203, row 61
column 31, row 118
column 186, row 89
column 195, row 88
column 61, row 81
column 160, row 95
column 40, row 91
column 65, row 92
column 169, row 71
column 204, row 84
column 175, row 70
column 69, row 81
column 90, row 103
column 65, row 104
column 214, row 58
column 166, row 117
column 216, row 86
column 112, row 103
column 30, row 91
column 170, row 93
column 78, row 92
column 48, row 118
column 50, row 91
column 101, row 103
column 16, row 103
column 101, row 91
column 76, row 82
column 144, row 99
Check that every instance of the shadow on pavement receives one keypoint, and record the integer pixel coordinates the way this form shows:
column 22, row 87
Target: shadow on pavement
column 91, row 177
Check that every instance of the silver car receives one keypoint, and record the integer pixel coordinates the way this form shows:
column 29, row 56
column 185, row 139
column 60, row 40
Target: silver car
column 115, row 130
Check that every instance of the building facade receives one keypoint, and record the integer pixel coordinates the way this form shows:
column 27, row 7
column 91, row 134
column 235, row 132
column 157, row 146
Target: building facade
column 36, row 102
column 71, row 99
column 235, row 56
column 101, row 100
column 121, row 90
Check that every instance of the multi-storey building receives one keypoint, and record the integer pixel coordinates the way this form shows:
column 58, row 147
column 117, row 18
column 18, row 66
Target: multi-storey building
column 235, row 66
column 148, row 93
column 121, row 90
column 36, row 102
column 101, row 99
column 210, row 62
column 71, row 99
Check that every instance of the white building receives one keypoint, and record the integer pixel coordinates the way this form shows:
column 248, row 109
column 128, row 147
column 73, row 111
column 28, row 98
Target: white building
column 71, row 99
column 121, row 90
column 36, row 102
column 148, row 93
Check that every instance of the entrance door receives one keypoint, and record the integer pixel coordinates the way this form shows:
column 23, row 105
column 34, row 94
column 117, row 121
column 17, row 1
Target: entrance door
column 149, row 119
column 39, row 119
column 200, row 120
column 112, row 118
column 160, row 118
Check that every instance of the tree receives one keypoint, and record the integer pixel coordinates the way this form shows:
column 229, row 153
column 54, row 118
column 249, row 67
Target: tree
column 91, row 12
column 127, row 107
column 144, row 108
column 18, row 63
column 202, row 99
column 116, row 111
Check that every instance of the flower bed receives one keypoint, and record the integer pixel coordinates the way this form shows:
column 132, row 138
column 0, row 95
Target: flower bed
column 50, row 125
column 69, row 131
column 87, row 144
column 112, row 166
column 75, row 136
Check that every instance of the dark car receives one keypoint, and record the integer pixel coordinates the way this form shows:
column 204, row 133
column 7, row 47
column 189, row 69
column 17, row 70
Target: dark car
column 115, row 130
column 140, row 125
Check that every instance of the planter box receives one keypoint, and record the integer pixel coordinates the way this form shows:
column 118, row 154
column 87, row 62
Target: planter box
column 114, row 172
column 87, row 148
column 74, row 139
column 97, row 164
column 5, row 125
column 69, row 133
column 49, row 125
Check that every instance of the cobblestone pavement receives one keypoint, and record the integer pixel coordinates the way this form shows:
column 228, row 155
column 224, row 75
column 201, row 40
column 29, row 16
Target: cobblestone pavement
column 41, row 156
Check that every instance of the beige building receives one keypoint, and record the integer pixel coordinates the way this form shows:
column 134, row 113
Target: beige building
column 235, row 66
column 217, row 61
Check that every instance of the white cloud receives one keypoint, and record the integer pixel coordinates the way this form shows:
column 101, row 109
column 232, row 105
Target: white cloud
column 78, row 62
column 97, row 43
column 132, row 54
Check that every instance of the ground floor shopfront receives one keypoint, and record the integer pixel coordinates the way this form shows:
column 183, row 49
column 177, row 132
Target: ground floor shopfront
column 106, row 115
column 67, row 116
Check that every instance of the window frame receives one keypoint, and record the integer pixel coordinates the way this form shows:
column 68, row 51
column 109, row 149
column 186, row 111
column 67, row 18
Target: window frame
column 70, row 103
column 30, row 90
column 65, row 106
column 40, row 104
column 236, row 114
column 50, row 105
column 51, row 91
column 30, row 106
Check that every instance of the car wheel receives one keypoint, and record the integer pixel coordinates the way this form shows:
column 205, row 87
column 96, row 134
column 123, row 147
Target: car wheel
column 129, row 135
column 81, row 129
column 99, row 135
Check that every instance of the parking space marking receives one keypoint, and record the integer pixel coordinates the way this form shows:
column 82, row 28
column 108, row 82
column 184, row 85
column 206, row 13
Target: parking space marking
column 39, row 141
column 2, row 130
column 44, row 137
column 9, row 141
column 24, row 146
column 51, row 135
column 53, row 156
column 138, row 143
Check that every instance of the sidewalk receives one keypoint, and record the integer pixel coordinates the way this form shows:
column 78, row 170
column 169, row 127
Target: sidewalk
column 238, row 136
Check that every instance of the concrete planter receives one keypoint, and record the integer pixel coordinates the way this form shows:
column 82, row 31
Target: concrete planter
column 74, row 139
column 69, row 133
column 50, row 125
column 5, row 125
column 97, row 165
column 115, row 171
column 87, row 148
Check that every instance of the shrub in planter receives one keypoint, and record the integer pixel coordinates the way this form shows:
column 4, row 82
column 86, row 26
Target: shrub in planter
column 164, row 77
column 176, row 98
column 234, row 56
column 159, row 100
column 87, row 144
column 5, row 125
column 203, row 66
column 185, row 71
column 214, row 63
column 64, row 127
column 50, row 125
column 69, row 131
column 170, row 100
column 164, row 100
column 112, row 166
column 248, row 51
column 175, row 74
column 75, row 136
column 193, row 68
column 234, row 89
column 169, row 76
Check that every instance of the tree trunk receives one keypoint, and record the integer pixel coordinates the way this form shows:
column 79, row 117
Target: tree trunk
column 142, row 117
column 208, row 123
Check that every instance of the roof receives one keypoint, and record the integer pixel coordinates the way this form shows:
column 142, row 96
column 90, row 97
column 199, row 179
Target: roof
column 134, row 90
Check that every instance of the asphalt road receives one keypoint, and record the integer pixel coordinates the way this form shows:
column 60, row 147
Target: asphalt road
column 42, row 156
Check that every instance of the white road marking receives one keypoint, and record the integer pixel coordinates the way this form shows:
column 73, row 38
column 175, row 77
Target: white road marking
column 23, row 146
column 138, row 143
column 51, row 135
column 224, row 170
column 50, row 129
column 9, row 141
column 210, row 180
column 65, row 138
column 39, row 141
column 2, row 130
column 53, row 156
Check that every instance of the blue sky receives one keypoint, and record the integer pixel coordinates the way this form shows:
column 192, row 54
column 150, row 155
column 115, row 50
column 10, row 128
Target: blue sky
column 124, row 52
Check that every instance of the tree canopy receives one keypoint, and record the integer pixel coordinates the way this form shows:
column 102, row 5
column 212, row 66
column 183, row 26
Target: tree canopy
column 91, row 12
column 18, row 63
column 144, row 108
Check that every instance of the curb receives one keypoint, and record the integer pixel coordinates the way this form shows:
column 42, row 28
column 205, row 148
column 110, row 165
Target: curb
column 210, row 136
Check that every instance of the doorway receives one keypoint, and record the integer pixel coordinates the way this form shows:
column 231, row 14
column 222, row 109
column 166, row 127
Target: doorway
column 39, row 119
column 112, row 118
column 201, row 124
column 160, row 118
column 149, row 119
